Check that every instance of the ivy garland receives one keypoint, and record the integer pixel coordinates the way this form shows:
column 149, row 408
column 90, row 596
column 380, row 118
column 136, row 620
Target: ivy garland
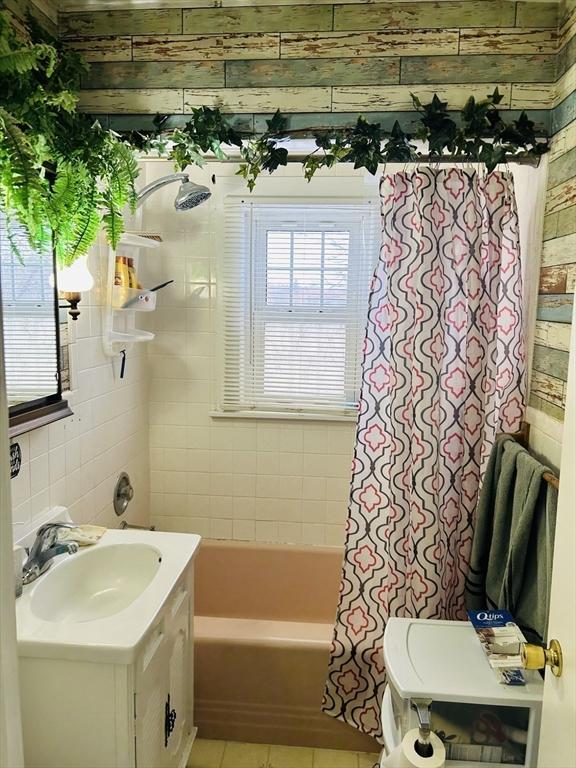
column 94, row 170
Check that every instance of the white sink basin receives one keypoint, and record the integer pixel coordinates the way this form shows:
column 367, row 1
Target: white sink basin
column 95, row 583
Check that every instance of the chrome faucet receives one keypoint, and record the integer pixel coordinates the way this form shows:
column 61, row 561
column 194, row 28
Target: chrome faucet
column 45, row 549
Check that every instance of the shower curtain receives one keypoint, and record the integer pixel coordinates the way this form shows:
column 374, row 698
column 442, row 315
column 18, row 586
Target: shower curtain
column 443, row 373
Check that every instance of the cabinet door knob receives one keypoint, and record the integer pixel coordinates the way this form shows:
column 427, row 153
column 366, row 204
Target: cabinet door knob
column 169, row 720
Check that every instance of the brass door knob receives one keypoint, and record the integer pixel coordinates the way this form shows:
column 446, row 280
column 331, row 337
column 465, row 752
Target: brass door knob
column 535, row 657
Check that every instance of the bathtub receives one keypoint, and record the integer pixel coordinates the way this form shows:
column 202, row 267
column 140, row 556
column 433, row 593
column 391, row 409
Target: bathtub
column 263, row 627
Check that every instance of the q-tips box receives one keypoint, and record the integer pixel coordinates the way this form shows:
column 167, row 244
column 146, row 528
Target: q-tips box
column 480, row 721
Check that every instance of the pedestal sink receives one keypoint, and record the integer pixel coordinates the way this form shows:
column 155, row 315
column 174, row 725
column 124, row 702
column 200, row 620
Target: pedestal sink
column 95, row 584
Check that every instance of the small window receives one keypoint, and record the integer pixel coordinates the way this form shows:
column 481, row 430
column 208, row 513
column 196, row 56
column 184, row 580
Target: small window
column 31, row 327
column 295, row 282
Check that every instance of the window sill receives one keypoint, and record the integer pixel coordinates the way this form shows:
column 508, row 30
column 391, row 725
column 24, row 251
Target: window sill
column 38, row 417
column 283, row 416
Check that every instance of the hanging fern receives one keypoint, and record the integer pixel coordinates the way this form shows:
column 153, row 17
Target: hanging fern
column 43, row 135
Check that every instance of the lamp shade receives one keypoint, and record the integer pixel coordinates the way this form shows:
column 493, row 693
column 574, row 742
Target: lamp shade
column 75, row 278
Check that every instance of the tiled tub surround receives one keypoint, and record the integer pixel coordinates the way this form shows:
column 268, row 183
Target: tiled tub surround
column 75, row 462
column 315, row 58
column 263, row 627
column 230, row 478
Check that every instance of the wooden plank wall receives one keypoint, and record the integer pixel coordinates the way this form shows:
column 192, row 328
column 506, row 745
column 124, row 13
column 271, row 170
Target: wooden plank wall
column 44, row 11
column 327, row 60
column 558, row 266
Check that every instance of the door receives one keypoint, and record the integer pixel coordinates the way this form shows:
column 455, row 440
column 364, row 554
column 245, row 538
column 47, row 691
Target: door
column 11, row 752
column 178, row 671
column 558, row 736
column 150, row 702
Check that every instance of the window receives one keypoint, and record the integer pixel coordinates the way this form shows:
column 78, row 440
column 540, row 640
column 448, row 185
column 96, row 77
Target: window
column 31, row 333
column 295, row 282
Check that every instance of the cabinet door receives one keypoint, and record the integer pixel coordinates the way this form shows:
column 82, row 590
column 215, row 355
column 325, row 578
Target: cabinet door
column 150, row 701
column 178, row 672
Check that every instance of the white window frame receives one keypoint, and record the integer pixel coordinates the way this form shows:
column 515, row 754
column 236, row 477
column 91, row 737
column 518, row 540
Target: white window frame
column 238, row 335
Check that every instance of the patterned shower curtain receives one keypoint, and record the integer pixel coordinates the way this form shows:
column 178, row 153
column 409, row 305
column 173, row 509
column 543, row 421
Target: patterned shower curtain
column 443, row 373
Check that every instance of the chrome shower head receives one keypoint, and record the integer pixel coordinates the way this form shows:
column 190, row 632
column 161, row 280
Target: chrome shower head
column 190, row 195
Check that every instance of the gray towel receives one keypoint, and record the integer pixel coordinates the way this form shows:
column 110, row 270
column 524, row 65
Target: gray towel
column 511, row 561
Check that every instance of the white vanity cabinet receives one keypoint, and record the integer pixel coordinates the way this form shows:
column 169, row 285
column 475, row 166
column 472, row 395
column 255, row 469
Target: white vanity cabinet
column 163, row 680
column 112, row 707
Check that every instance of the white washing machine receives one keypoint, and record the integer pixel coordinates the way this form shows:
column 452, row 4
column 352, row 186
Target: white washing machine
column 481, row 722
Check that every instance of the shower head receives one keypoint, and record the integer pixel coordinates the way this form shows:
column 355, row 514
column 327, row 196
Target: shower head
column 189, row 195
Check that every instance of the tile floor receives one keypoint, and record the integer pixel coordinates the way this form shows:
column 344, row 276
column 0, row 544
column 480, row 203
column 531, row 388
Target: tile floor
column 231, row 754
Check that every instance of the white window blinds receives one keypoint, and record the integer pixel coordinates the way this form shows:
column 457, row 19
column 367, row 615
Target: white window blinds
column 294, row 294
column 30, row 354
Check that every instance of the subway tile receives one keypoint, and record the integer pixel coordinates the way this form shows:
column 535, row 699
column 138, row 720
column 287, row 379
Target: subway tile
column 244, row 462
column 246, row 508
column 336, row 512
column 198, row 483
column 210, row 47
column 221, row 484
column 290, row 463
column 244, row 485
column 314, row 511
column 39, row 503
column 220, row 529
column 242, row 530
column 314, row 488
column 290, row 533
column 268, row 18
column 266, row 531
column 20, row 489
column 39, row 442
column 221, row 506
column 331, row 45
column 267, row 463
column 335, row 535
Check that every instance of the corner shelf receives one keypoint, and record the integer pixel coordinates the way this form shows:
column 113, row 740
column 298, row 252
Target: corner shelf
column 119, row 322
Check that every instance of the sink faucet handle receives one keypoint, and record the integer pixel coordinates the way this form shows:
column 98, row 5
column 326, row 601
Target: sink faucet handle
column 49, row 532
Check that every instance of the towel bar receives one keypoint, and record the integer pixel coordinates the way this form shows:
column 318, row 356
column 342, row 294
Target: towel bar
column 522, row 437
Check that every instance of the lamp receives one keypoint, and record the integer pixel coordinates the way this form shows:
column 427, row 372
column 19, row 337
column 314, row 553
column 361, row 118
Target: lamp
column 72, row 281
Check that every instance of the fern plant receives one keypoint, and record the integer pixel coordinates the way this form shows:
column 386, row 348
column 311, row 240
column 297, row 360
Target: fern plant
column 62, row 175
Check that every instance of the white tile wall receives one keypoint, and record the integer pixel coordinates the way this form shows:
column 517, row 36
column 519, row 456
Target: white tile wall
column 280, row 481
column 75, row 462
column 545, row 438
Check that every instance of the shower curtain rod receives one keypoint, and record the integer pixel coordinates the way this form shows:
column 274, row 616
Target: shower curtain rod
column 523, row 437
column 298, row 157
